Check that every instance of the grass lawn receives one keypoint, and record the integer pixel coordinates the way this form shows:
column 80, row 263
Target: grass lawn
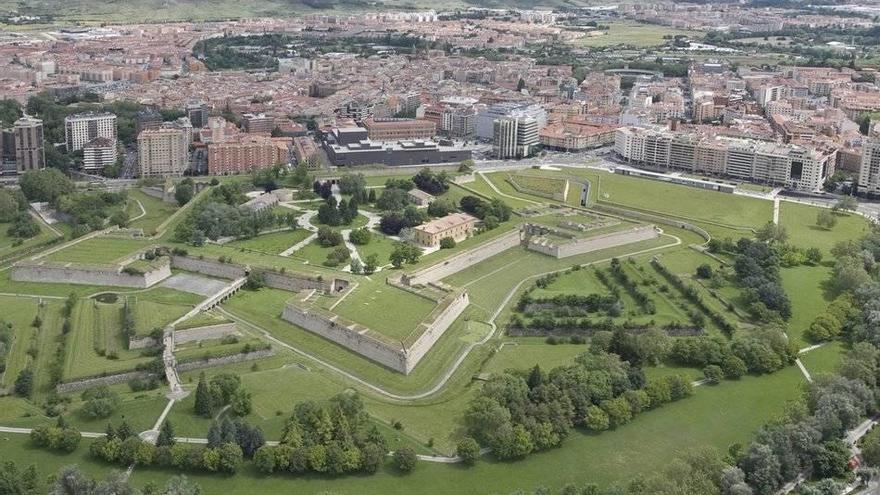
column 7, row 243
column 157, row 211
column 386, row 309
column 524, row 354
column 379, row 245
column 824, row 360
column 804, row 286
column 149, row 314
column 800, row 222
column 20, row 312
column 18, row 448
column 632, row 33
column 95, row 337
column 98, row 251
column 716, row 416
column 274, row 243
column 314, row 254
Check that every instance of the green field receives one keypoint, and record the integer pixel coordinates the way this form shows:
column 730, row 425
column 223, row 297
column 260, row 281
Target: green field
column 379, row 245
column 274, row 243
column 98, row 251
column 388, row 310
column 799, row 221
column 804, row 285
column 7, row 244
column 156, row 211
column 634, row 34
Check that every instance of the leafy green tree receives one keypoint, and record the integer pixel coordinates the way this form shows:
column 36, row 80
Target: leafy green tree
column 45, row 185
column 183, row 193
column 24, row 383
column 166, row 435
column 469, row 451
column 405, row 459
column 596, row 419
column 713, row 373
column 825, row 219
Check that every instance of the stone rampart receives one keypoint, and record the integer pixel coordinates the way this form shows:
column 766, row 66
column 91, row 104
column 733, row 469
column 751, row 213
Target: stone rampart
column 435, row 328
column 69, row 273
column 289, row 281
column 464, row 260
column 399, row 356
column 86, row 383
column 589, row 244
column 650, row 217
column 212, row 268
column 207, row 332
column 223, row 361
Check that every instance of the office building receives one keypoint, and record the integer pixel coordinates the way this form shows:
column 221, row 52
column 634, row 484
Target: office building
column 514, row 137
column 29, row 144
column 81, row 128
column 487, row 117
column 368, row 152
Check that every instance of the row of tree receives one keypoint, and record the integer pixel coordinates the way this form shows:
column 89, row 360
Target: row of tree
column 71, row 480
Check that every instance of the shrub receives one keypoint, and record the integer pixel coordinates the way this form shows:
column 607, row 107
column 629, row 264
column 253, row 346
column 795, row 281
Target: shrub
column 713, row 374
column 405, row 459
column 447, row 243
column 469, row 451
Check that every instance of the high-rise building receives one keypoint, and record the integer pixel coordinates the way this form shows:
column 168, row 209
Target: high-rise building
column 514, row 137
column 486, row 118
column 197, row 112
column 164, row 152
column 869, row 172
column 98, row 153
column 29, row 142
column 460, row 122
column 7, row 151
column 147, row 119
column 81, row 128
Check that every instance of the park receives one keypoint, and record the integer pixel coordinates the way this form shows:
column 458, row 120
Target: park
column 318, row 295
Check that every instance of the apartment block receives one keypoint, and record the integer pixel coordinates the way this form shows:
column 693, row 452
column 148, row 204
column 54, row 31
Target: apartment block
column 246, row 153
column 98, row 153
column 28, row 142
column 81, row 128
column 257, row 123
column 164, row 152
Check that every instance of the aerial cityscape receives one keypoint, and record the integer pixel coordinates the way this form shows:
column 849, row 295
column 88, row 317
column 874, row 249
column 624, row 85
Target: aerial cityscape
column 471, row 248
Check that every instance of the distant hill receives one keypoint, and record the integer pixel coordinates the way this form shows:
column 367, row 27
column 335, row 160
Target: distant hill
column 133, row 11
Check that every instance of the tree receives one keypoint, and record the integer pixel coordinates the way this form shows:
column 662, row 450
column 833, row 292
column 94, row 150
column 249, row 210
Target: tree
column 704, row 271
column 204, row 406
column 356, row 266
column 24, row 383
column 405, row 459
column 762, row 469
column 166, row 435
column 361, row 236
column 772, row 233
column 713, row 373
column 45, row 185
column 596, row 419
column 846, row 203
column 183, row 192
column 825, row 219
column 371, row 263
column 18, row 482
column 469, row 450
column 23, row 227
column 9, row 207
column 447, row 243
column 404, row 252
column 814, row 255
column 230, row 458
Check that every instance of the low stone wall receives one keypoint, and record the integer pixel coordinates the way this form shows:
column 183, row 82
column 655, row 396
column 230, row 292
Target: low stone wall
column 464, row 260
column 558, row 196
column 68, row 273
column 86, row 383
column 606, row 241
column 650, row 217
column 223, row 361
column 207, row 332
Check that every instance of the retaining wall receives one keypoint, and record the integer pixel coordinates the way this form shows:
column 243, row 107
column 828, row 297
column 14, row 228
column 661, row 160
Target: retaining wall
column 464, row 260
column 558, row 196
column 207, row 332
column 223, row 361
column 68, row 273
column 435, row 329
column 293, row 282
column 640, row 215
column 606, row 241
column 86, row 383
column 142, row 343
